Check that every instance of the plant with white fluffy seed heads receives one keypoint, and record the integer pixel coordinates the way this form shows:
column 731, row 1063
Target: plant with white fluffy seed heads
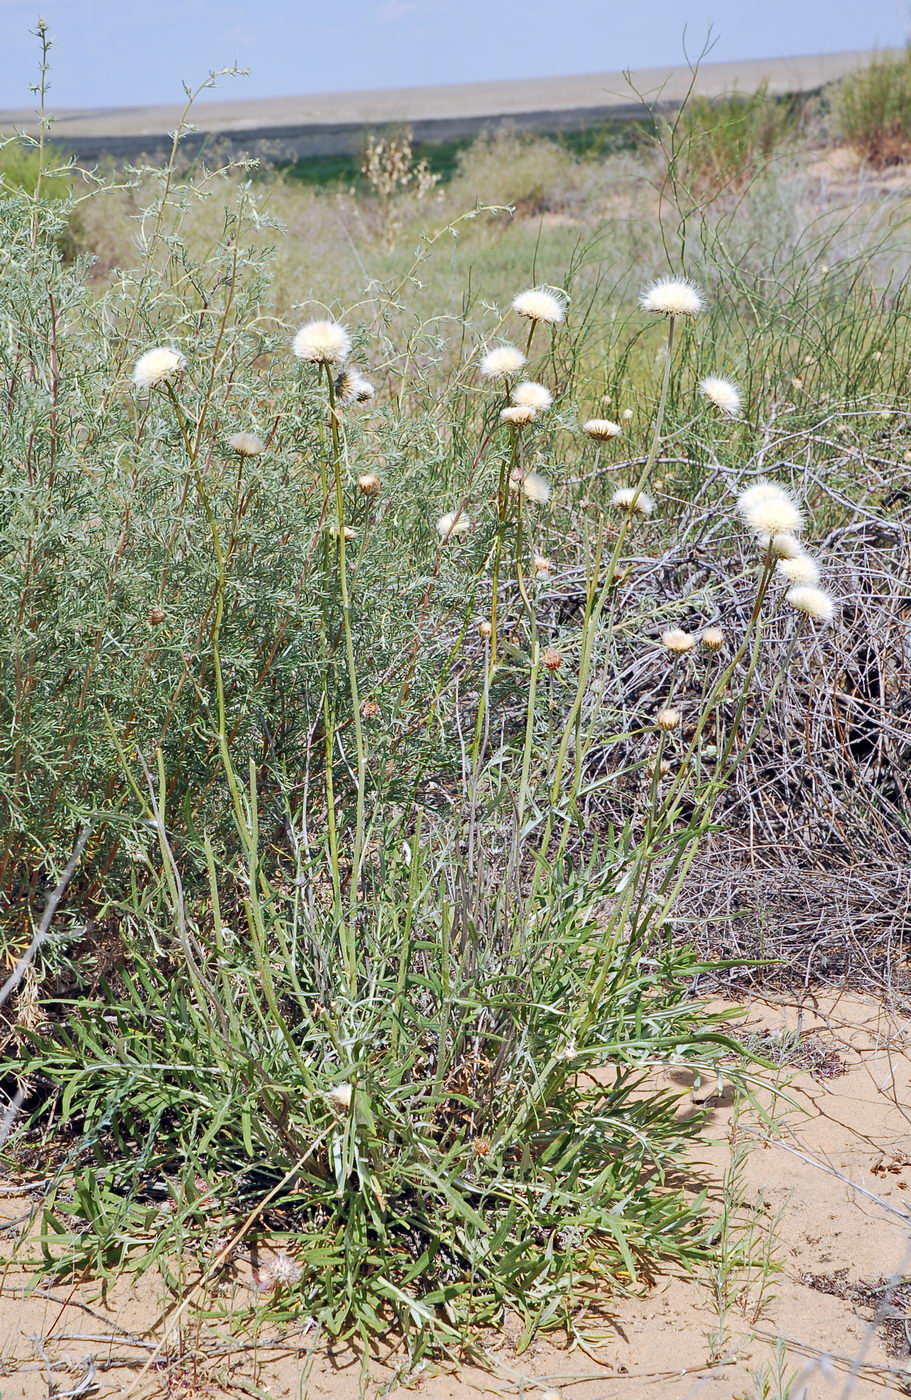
column 723, row 393
column 517, row 415
column 322, row 343
column 453, row 523
column 157, row 367
column 800, row 570
column 672, row 296
column 601, row 429
column 246, row 444
column 533, row 485
column 541, row 304
column 502, row 362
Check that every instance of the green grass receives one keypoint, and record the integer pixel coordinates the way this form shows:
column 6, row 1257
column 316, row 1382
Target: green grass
column 872, row 110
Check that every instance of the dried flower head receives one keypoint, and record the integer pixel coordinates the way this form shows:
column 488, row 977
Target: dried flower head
column 340, row 1097
column 672, row 296
column 713, row 638
column 370, row 709
column 769, row 509
column 246, row 444
column 543, row 567
column 533, row 485
column 815, row 602
column 517, row 414
column 668, row 719
column 601, row 429
column 528, row 394
column 540, row 304
column 552, row 658
column 626, row 415
column 628, row 498
column 284, row 1269
column 723, row 393
column 502, row 362
column 322, row 343
column 782, row 546
column 801, row 569
column 454, row 522
column 369, row 483
column 346, row 532
column 156, row 366
column 485, row 629
column 677, row 640
column 352, row 387
column 157, row 616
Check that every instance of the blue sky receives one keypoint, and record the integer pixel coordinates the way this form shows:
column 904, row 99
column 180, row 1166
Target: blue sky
column 124, row 53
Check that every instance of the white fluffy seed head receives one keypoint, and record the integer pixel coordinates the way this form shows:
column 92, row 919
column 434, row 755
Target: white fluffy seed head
column 322, row 343
column 502, row 362
column 340, row 1097
column 628, row 498
column 668, row 719
column 352, row 387
column 601, row 429
column 453, row 523
column 532, row 485
column 518, row 414
column 723, row 393
column 814, row 602
column 672, row 296
column 678, row 640
column 156, row 366
column 528, row 394
column 801, row 569
column 246, row 444
column 285, row 1269
column 540, row 304
column 626, row 415
column 769, row 509
column 713, row 638
column 783, row 546
column 369, row 483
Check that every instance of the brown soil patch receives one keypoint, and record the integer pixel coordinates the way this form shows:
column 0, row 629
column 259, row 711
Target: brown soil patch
column 823, row 1182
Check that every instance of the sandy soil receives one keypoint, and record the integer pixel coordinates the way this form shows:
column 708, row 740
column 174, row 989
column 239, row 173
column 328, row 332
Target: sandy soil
column 823, row 1180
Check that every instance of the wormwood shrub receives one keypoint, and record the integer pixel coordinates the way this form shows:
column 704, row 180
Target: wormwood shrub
column 279, row 632
column 723, row 143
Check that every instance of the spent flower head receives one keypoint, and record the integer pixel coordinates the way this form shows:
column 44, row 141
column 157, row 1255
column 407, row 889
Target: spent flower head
column 518, row 414
column 713, row 638
column 454, row 522
column 340, row 1097
column 246, row 444
column 668, row 719
column 677, row 640
column 533, row 485
column 629, row 498
column 769, row 509
column 601, row 429
column 529, row 394
column 322, row 343
column 352, row 387
column 502, row 362
column 723, row 393
column 541, row 304
column 814, row 602
column 801, row 570
column 156, row 366
column 672, row 296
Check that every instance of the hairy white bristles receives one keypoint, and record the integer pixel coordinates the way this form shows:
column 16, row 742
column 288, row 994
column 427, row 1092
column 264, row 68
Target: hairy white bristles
column 668, row 719
column 540, row 304
column 502, row 362
column 814, row 602
column 340, row 1097
column 528, row 394
column 453, row 523
column 626, row 415
column 322, row 343
column 801, row 569
column 352, row 387
column 601, row 429
column 713, row 638
column 156, row 366
column 345, row 533
column 532, row 485
column 769, row 509
column 246, row 444
column 369, row 483
column 518, row 414
column 628, row 498
column 783, row 546
column 678, row 640
column 723, row 393
column 672, row 296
